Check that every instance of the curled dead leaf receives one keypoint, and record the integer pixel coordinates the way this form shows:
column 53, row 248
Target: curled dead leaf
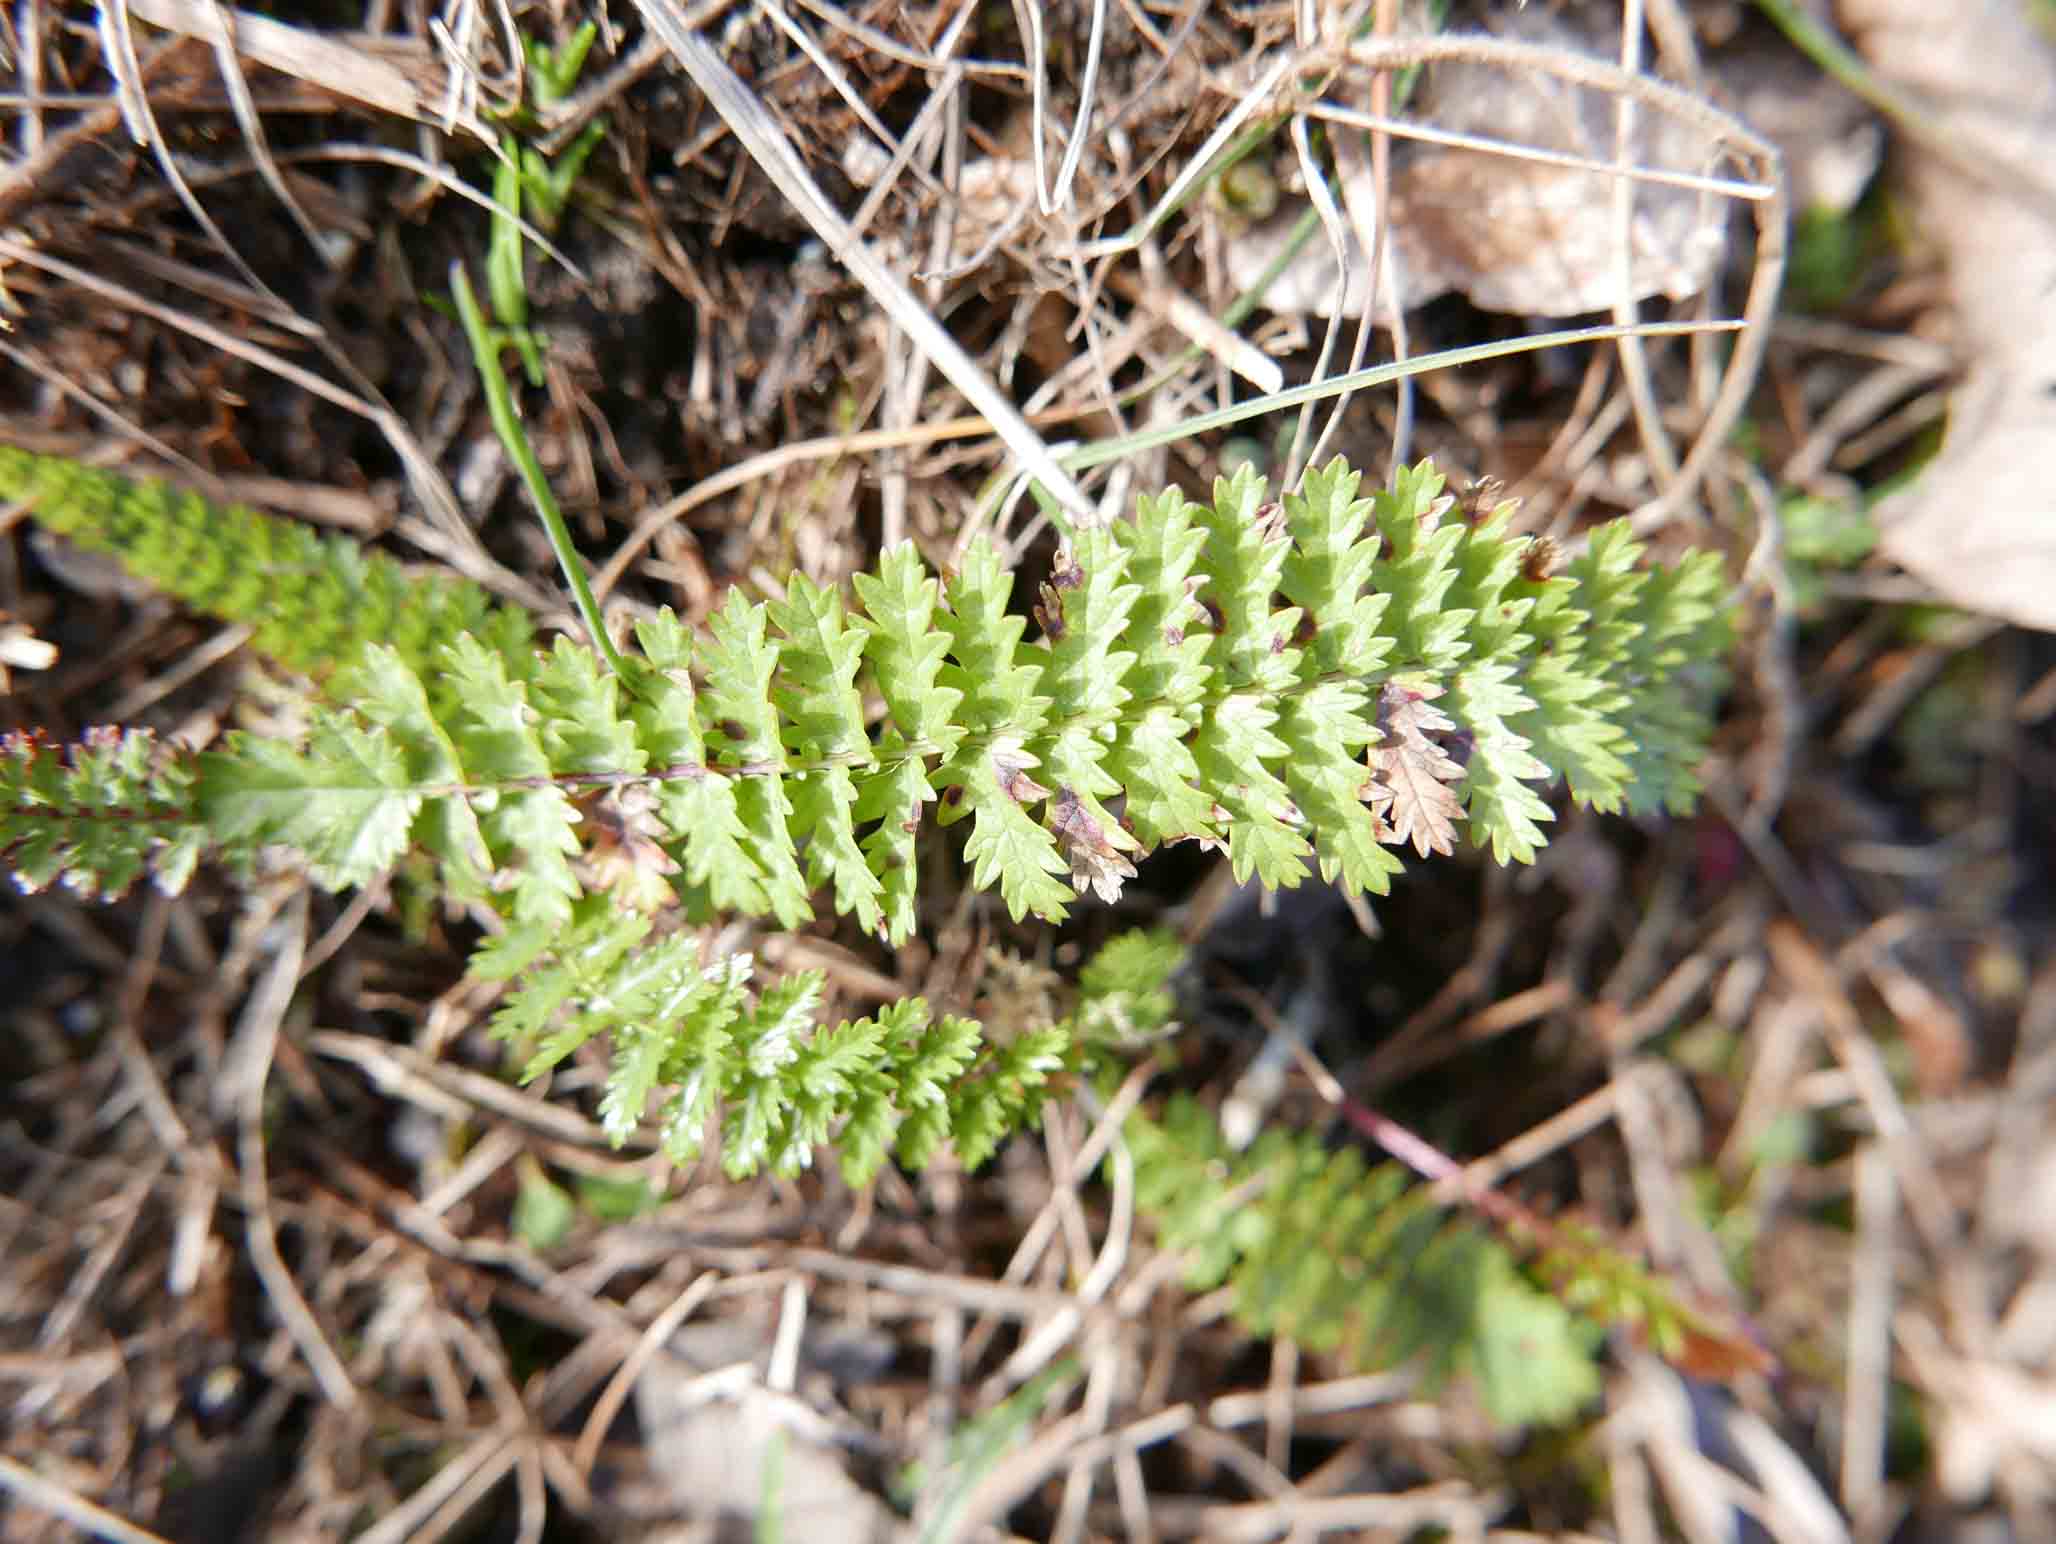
column 1412, row 773
column 1091, row 845
column 1010, row 764
column 1976, row 525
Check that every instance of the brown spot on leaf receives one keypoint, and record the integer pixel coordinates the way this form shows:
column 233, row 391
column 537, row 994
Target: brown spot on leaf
column 1481, row 498
column 625, row 852
column 1049, row 614
column 1269, row 520
column 1090, row 845
column 1010, row 767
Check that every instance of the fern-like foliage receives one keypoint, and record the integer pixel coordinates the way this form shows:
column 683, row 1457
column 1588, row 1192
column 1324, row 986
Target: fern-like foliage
column 1357, row 1260
column 1302, row 685
column 1170, row 697
column 1305, row 685
column 99, row 815
column 899, row 1084
column 311, row 601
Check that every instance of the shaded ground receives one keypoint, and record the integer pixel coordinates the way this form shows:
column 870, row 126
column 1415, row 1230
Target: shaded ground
column 1797, row 1049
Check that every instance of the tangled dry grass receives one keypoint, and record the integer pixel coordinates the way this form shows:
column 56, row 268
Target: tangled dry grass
column 285, row 1255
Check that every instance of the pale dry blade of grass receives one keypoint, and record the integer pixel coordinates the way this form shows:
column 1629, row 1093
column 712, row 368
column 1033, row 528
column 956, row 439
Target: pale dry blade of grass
column 460, row 544
column 1539, row 155
column 221, row 38
column 329, row 62
column 1656, row 441
column 123, row 61
column 57, row 381
column 760, row 134
column 1753, row 152
column 47, row 1495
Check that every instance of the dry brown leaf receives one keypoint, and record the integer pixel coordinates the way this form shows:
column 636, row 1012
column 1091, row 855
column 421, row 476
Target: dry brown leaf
column 1512, row 235
column 1049, row 610
column 718, row 1439
column 1977, row 526
column 1408, row 708
column 1091, row 846
column 1412, row 773
column 369, row 69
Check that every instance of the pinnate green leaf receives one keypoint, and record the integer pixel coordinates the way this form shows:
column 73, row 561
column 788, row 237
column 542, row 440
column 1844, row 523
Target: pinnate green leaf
column 97, row 815
column 1233, row 750
column 526, row 815
column 1325, row 730
column 1327, row 574
column 1247, row 545
column 1309, row 681
column 585, row 727
column 739, row 660
column 345, row 801
column 905, row 648
column 1006, row 847
column 391, row 694
column 1416, row 569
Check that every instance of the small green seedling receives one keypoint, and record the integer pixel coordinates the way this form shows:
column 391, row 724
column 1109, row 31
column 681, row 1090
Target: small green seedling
column 553, row 72
column 527, row 179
